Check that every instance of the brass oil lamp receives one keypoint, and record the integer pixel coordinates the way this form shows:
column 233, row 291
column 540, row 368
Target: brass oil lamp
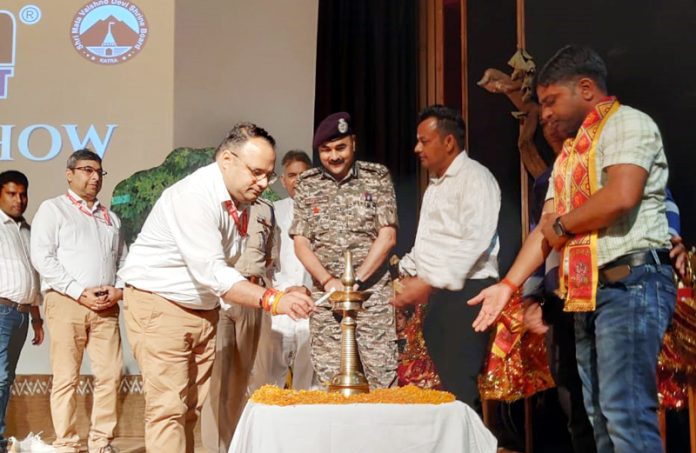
column 348, row 302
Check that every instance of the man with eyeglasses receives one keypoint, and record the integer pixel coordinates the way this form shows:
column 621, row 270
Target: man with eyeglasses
column 348, row 205
column 77, row 247
column 178, row 270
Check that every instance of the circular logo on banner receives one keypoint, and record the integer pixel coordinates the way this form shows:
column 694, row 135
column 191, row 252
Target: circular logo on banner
column 109, row 31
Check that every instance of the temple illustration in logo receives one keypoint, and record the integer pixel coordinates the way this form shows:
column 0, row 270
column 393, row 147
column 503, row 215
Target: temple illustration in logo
column 109, row 34
column 109, row 47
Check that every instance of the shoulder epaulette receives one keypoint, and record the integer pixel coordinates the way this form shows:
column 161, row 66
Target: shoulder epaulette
column 373, row 167
column 309, row 173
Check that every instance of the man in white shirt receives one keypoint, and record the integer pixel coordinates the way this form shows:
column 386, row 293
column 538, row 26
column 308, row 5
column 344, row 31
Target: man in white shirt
column 76, row 247
column 178, row 269
column 284, row 342
column 455, row 254
column 19, row 285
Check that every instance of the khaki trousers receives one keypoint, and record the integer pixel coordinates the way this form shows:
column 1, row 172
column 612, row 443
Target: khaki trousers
column 174, row 347
column 74, row 328
column 239, row 329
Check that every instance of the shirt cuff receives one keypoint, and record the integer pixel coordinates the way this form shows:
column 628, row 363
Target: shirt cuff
column 74, row 290
column 300, row 228
column 228, row 277
column 408, row 266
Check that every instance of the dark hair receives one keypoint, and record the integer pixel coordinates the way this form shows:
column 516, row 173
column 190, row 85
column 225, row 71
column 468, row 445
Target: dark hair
column 240, row 134
column 570, row 63
column 296, row 155
column 449, row 121
column 82, row 154
column 13, row 176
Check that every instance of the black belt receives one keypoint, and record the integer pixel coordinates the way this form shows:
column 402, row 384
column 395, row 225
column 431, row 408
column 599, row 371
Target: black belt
column 621, row 267
column 22, row 308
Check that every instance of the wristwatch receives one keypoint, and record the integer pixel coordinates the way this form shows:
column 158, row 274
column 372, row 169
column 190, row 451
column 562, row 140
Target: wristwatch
column 559, row 229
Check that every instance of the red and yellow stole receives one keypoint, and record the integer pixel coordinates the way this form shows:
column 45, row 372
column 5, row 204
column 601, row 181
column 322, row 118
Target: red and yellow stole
column 575, row 180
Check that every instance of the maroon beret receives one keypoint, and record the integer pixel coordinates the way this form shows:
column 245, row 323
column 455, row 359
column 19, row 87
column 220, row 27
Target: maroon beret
column 334, row 126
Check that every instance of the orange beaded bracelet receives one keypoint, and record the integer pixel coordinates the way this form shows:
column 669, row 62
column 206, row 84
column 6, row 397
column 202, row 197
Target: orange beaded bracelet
column 266, row 300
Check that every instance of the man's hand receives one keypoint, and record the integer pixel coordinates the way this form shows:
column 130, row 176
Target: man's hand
column 679, row 255
column 493, row 299
column 38, row 332
column 333, row 283
column 546, row 224
column 296, row 305
column 533, row 317
column 298, row 289
column 113, row 295
column 415, row 291
column 94, row 298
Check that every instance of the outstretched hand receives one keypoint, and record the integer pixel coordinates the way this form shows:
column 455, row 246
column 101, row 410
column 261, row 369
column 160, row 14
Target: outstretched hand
column 295, row 304
column 492, row 299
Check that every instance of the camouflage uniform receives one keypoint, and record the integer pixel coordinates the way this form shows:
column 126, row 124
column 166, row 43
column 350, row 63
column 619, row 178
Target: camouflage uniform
column 348, row 215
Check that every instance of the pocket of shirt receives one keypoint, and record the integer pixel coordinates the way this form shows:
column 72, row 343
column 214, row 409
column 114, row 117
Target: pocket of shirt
column 364, row 216
column 113, row 239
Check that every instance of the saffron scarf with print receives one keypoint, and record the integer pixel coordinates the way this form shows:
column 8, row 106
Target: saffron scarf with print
column 575, row 180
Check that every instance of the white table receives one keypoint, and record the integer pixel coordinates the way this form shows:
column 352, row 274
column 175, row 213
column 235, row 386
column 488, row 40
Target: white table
column 362, row 428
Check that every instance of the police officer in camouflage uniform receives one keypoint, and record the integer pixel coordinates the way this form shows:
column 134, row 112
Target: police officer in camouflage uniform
column 348, row 205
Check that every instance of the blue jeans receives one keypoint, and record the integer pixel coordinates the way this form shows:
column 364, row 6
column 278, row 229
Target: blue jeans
column 13, row 332
column 617, row 347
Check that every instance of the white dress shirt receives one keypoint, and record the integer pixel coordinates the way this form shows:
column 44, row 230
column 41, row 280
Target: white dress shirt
column 457, row 237
column 19, row 282
column 288, row 270
column 73, row 248
column 188, row 244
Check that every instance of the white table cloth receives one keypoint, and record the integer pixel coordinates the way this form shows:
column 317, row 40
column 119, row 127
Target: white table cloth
column 362, row 428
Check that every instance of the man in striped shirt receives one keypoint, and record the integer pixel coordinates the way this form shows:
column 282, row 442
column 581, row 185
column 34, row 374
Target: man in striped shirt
column 19, row 285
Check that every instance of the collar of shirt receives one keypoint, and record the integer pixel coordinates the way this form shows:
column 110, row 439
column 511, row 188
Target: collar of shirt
column 454, row 168
column 95, row 206
column 352, row 173
column 221, row 193
column 4, row 218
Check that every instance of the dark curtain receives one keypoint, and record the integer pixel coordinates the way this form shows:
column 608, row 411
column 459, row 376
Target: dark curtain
column 649, row 51
column 493, row 131
column 367, row 65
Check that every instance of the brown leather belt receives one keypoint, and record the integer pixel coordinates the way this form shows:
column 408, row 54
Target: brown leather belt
column 22, row 308
column 621, row 267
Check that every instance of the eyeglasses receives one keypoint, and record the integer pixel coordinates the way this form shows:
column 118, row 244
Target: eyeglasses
column 90, row 171
column 259, row 175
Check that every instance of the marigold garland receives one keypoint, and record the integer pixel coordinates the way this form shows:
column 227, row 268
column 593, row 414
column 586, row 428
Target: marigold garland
column 410, row 394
